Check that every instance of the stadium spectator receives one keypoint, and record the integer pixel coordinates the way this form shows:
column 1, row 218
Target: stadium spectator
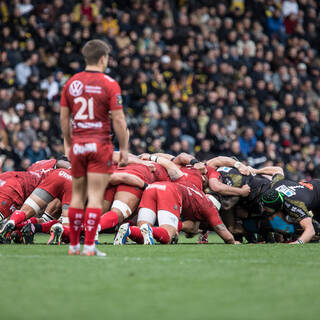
column 211, row 68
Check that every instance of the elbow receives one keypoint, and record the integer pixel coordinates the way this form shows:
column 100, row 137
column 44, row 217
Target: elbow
column 215, row 187
column 279, row 171
column 312, row 232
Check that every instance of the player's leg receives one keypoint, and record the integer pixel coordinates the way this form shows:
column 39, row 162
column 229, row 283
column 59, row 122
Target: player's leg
column 146, row 215
column 97, row 183
column 168, row 213
column 36, row 201
column 124, row 204
column 52, row 211
column 76, row 212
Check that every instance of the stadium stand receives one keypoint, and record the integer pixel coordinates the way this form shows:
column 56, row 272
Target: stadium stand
column 238, row 78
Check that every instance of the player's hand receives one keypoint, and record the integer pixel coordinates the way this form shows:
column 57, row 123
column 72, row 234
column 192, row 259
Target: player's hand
column 252, row 171
column 123, row 161
column 150, row 165
column 201, row 167
column 237, row 242
column 294, row 242
column 144, row 156
column 245, row 190
column 244, row 170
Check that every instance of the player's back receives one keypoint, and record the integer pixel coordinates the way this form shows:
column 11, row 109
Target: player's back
column 23, row 182
column 139, row 170
column 295, row 192
column 58, row 183
column 193, row 177
column 90, row 96
column 43, row 165
column 160, row 173
column 194, row 201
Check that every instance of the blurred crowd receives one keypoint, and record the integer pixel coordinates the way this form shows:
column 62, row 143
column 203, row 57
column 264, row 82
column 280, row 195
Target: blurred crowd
column 237, row 78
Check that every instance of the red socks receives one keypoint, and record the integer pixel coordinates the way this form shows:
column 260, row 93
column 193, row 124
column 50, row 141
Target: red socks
column 179, row 226
column 76, row 217
column 18, row 216
column 136, row 235
column 109, row 220
column 91, row 221
column 161, row 235
column 46, row 226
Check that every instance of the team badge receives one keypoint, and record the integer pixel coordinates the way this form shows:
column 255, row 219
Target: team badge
column 175, row 207
column 4, row 203
column 119, row 100
column 109, row 163
column 76, row 88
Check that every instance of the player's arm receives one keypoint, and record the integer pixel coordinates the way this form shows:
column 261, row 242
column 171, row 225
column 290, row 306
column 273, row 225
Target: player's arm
column 222, row 161
column 146, row 156
column 128, row 179
column 173, row 171
column 34, row 203
column 66, row 128
column 224, row 234
column 269, row 171
column 308, row 231
column 222, row 188
column 131, row 158
column 63, row 164
column 120, row 129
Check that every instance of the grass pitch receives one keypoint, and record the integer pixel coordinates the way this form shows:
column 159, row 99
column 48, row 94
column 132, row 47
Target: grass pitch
column 185, row 281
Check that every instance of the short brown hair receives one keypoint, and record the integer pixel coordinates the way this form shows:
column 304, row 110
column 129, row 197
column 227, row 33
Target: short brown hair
column 93, row 50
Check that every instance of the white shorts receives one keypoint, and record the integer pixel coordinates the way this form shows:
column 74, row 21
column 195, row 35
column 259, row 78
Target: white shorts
column 164, row 217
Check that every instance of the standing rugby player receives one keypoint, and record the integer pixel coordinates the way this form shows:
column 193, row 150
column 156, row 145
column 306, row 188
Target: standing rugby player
column 87, row 98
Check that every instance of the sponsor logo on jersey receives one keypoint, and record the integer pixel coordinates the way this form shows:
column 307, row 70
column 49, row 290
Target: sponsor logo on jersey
column 288, row 191
column 2, row 183
column 157, row 186
column 119, row 99
column 93, row 89
column 65, row 175
column 76, row 88
column 88, row 147
column 224, row 169
column 35, row 174
column 89, row 125
column 307, row 185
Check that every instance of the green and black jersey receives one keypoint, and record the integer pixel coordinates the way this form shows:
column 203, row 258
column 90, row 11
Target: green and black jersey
column 299, row 197
column 257, row 183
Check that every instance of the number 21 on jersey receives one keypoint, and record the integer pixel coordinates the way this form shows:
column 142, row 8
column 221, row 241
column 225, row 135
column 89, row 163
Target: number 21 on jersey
column 86, row 109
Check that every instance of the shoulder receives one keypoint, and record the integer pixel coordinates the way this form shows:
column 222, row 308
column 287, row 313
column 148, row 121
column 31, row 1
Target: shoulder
column 109, row 81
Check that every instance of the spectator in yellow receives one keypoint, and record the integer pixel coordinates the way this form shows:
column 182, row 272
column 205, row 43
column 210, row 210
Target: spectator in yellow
column 109, row 22
column 237, row 5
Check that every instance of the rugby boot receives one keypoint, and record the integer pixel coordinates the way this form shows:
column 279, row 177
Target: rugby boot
column 55, row 234
column 7, row 228
column 28, row 232
column 147, row 233
column 94, row 252
column 16, row 236
column 203, row 237
column 122, row 235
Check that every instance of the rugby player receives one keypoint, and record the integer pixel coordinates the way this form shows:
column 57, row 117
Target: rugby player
column 57, row 184
column 88, row 97
column 295, row 199
column 15, row 188
column 164, row 201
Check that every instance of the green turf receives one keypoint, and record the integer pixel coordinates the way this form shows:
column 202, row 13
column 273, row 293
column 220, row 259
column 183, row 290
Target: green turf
column 185, row 281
